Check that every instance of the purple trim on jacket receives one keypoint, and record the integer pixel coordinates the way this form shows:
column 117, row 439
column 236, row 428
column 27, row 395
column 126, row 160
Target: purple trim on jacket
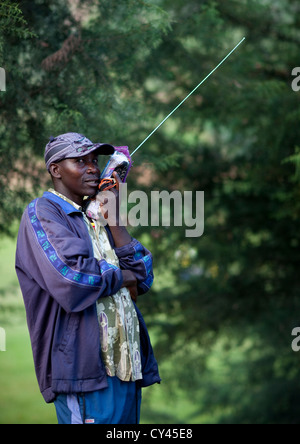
column 60, row 281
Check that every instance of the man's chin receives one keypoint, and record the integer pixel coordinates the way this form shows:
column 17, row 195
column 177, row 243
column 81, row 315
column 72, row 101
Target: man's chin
column 91, row 191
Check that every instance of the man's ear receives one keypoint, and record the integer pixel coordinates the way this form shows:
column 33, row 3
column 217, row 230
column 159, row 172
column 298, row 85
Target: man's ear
column 55, row 170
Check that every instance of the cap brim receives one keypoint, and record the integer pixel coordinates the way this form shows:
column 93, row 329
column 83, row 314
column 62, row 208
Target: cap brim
column 100, row 148
column 103, row 149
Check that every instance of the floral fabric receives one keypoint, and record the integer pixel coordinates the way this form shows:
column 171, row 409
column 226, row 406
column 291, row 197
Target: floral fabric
column 118, row 321
column 119, row 326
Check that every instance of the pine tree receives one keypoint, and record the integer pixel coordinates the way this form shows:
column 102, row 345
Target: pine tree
column 70, row 66
column 231, row 296
column 223, row 305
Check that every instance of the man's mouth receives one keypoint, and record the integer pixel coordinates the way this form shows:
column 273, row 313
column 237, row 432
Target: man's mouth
column 93, row 182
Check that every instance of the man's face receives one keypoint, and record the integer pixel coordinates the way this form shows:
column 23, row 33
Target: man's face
column 77, row 177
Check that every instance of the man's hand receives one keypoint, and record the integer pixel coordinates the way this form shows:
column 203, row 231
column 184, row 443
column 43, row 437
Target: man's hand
column 109, row 206
column 130, row 282
column 109, row 202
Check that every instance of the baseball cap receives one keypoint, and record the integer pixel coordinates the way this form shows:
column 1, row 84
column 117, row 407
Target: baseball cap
column 70, row 145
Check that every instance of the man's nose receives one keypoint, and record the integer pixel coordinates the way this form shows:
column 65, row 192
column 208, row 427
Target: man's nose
column 92, row 168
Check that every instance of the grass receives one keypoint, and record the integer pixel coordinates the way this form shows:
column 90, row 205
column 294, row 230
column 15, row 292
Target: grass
column 20, row 399
column 22, row 403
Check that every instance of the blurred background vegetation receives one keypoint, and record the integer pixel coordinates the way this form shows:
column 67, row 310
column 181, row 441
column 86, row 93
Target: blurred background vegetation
column 223, row 305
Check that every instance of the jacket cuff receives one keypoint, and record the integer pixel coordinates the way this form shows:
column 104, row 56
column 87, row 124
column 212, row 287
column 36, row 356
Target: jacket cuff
column 112, row 274
column 127, row 249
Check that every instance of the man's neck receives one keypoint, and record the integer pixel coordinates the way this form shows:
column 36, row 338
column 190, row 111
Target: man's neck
column 62, row 196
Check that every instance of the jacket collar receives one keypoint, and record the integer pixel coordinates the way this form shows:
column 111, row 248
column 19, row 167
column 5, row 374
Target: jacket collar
column 66, row 204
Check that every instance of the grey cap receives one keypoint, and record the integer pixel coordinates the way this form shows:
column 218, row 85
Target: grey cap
column 70, row 145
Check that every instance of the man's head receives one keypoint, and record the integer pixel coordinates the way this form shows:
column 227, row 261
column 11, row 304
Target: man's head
column 72, row 161
column 71, row 145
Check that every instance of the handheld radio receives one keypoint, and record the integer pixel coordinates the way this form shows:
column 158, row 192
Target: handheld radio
column 121, row 162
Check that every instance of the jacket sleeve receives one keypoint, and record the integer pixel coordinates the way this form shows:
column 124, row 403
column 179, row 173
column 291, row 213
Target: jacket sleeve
column 51, row 253
column 135, row 257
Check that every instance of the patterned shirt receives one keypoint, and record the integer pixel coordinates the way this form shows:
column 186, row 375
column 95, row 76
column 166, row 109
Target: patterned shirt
column 118, row 321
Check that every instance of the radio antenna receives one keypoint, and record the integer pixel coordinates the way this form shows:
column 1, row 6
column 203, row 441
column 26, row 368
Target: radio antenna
column 202, row 81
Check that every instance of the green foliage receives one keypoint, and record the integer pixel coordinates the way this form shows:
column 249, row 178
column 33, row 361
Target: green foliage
column 233, row 135
column 75, row 75
column 12, row 23
column 295, row 159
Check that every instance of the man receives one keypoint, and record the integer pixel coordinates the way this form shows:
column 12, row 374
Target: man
column 79, row 280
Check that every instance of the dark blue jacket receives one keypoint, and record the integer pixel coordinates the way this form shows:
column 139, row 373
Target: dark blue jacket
column 60, row 281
